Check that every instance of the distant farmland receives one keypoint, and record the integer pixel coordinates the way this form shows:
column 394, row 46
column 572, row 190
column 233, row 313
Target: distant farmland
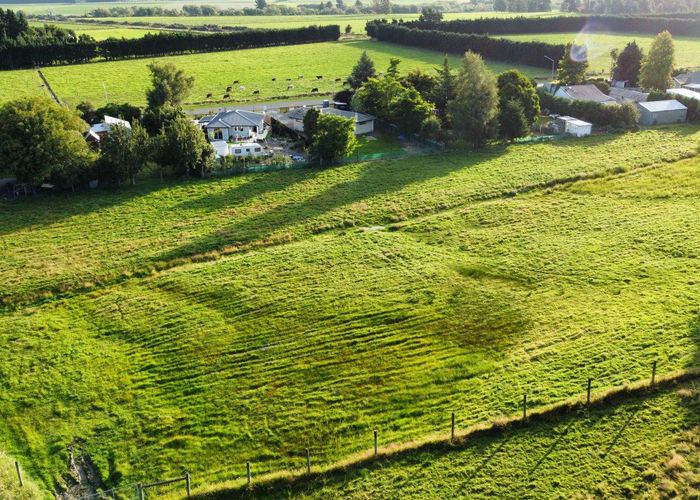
column 254, row 69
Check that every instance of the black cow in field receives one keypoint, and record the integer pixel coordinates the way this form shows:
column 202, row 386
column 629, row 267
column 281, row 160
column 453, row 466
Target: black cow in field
column 226, row 96
column 274, row 79
column 228, row 89
column 289, row 79
column 208, row 96
column 256, row 91
column 319, row 77
column 289, row 87
column 315, row 89
column 337, row 79
column 235, row 82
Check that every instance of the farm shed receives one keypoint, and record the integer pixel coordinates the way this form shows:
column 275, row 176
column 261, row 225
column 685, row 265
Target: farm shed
column 661, row 112
column 294, row 119
column 695, row 87
column 573, row 126
column 684, row 93
column 586, row 93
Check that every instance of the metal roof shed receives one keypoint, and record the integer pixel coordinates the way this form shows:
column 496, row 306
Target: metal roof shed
column 661, row 112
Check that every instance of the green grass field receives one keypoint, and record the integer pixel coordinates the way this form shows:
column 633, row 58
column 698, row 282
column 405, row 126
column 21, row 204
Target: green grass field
column 305, row 308
column 128, row 80
column 21, row 83
column 687, row 50
column 99, row 32
column 645, row 446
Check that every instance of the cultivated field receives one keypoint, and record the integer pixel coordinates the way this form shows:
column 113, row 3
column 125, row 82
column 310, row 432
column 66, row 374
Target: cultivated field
column 687, row 50
column 378, row 295
column 128, row 80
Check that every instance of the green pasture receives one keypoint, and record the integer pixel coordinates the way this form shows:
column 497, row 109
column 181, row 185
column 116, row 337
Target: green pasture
column 20, row 83
column 687, row 50
column 302, row 309
column 645, row 446
column 128, row 80
column 100, row 32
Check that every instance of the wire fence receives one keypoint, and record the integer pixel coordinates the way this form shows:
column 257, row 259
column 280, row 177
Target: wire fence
column 310, row 464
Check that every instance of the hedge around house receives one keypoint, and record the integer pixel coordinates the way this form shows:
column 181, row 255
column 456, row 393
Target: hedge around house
column 497, row 49
column 161, row 44
column 564, row 24
column 604, row 115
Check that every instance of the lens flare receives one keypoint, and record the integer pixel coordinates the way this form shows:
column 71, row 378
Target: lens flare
column 584, row 46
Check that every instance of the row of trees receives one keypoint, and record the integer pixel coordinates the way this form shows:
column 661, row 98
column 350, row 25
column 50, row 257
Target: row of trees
column 43, row 142
column 522, row 5
column 666, row 8
column 499, row 49
column 15, row 31
column 563, row 24
column 471, row 106
column 82, row 50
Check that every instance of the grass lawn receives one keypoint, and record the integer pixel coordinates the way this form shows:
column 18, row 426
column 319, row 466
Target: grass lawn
column 128, row 80
column 378, row 144
column 600, row 44
column 327, row 329
column 21, row 83
column 639, row 447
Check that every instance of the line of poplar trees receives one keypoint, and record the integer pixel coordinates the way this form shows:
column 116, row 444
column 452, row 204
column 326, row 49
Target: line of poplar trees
column 160, row 44
column 497, row 49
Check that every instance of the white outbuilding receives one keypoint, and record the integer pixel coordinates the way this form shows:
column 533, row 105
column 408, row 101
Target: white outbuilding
column 246, row 150
column 573, row 126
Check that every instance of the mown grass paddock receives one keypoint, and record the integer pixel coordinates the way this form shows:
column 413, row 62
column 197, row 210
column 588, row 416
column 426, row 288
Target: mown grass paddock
column 304, row 309
column 214, row 72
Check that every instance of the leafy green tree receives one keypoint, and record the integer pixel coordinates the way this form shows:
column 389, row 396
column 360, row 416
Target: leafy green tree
column 170, row 85
column 512, row 120
column 430, row 15
column 87, row 112
column 628, row 64
column 348, row 29
column 124, row 153
column 382, row 6
column 155, row 119
column 335, row 138
column 473, row 111
column 375, row 96
column 41, row 141
column 183, row 147
column 393, row 70
column 573, row 65
column 657, row 66
column 408, row 110
column 363, row 71
column 514, row 86
column 444, row 90
column 423, row 82
column 260, row 4
column 431, row 128
column 311, row 123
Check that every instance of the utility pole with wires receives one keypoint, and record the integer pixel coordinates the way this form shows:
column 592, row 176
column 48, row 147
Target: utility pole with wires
column 553, row 62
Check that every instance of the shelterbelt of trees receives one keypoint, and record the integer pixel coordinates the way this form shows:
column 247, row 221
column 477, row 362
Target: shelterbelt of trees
column 16, row 32
column 72, row 51
column 497, row 49
column 686, row 26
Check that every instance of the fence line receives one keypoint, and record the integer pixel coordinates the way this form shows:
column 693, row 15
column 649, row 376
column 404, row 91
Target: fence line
column 454, row 436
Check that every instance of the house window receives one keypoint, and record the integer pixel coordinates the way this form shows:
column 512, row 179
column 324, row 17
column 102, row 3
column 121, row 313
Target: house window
column 237, row 151
column 247, row 150
column 218, row 134
column 257, row 150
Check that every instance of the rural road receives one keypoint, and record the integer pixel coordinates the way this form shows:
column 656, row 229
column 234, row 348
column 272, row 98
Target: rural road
column 258, row 106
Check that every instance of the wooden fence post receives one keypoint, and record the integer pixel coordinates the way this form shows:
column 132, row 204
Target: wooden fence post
column 187, row 484
column 588, row 390
column 524, row 406
column 452, row 436
column 653, row 373
column 308, row 461
column 19, row 473
column 376, row 443
column 247, row 468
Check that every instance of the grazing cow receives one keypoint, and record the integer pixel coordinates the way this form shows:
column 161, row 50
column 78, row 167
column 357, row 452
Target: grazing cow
column 228, row 89
column 337, row 79
column 301, row 76
column 289, row 79
column 274, row 79
column 289, row 87
column 315, row 89
column 256, row 91
column 226, row 96
column 319, row 77
column 346, row 82
column 208, row 96
column 235, row 82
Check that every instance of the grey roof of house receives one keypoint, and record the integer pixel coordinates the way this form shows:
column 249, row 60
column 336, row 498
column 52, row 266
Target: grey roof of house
column 586, row 93
column 656, row 106
column 686, row 78
column 236, row 118
column 690, row 94
column 299, row 113
column 620, row 95
column 693, row 86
